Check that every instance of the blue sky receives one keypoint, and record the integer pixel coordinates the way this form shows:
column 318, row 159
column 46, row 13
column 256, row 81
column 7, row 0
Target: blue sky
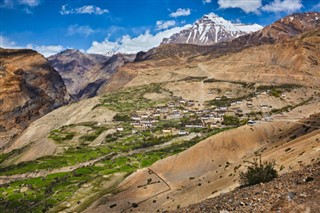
column 99, row 26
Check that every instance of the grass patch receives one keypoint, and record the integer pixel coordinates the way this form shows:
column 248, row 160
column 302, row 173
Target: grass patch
column 287, row 87
column 61, row 136
column 131, row 99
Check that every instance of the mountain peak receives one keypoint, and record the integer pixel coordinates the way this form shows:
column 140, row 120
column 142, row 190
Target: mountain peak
column 211, row 29
column 70, row 51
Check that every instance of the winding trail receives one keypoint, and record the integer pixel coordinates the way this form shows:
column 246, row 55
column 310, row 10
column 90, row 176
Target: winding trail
column 155, row 195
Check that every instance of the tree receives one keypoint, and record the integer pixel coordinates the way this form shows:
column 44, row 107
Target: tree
column 258, row 172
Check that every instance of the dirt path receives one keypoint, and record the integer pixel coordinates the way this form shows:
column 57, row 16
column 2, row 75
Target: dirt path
column 153, row 196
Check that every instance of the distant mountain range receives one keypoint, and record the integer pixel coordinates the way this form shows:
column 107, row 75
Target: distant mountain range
column 211, row 29
column 82, row 73
column 180, row 55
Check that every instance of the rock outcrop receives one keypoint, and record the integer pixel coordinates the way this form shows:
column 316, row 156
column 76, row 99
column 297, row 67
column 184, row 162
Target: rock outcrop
column 30, row 88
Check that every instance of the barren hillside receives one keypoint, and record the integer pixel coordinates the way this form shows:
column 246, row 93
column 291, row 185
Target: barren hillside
column 30, row 88
column 292, row 61
column 297, row 191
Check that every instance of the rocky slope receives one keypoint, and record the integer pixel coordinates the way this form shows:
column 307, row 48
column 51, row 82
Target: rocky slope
column 84, row 74
column 211, row 29
column 298, row 191
column 30, row 88
column 285, row 28
column 277, row 32
column 176, row 52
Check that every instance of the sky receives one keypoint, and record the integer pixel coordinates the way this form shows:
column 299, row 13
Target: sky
column 128, row 26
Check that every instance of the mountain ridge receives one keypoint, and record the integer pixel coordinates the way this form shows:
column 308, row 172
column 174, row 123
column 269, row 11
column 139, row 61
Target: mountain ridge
column 83, row 73
column 211, row 29
column 191, row 57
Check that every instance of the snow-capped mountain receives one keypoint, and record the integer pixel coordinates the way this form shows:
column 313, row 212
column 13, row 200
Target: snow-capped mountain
column 211, row 29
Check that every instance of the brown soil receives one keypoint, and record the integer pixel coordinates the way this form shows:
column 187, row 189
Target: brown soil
column 298, row 191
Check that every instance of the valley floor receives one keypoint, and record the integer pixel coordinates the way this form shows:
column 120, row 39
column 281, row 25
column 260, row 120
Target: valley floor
column 112, row 153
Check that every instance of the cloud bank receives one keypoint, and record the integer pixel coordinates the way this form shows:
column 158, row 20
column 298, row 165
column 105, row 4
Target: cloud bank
column 246, row 6
column 46, row 50
column 283, row 6
column 256, row 6
column 127, row 44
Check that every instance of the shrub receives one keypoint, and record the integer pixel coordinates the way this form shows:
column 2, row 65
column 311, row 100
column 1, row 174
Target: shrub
column 60, row 136
column 258, row 173
column 231, row 120
column 121, row 117
column 275, row 93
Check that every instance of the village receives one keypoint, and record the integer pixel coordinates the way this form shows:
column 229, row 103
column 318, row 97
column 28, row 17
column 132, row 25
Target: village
column 191, row 116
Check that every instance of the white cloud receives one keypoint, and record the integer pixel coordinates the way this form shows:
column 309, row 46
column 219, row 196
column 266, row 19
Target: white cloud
column 163, row 25
column 206, row 1
column 180, row 12
column 283, row 6
column 80, row 30
column 246, row 6
column 10, row 4
column 127, row 44
column 30, row 3
column 6, row 42
column 88, row 9
column 46, row 50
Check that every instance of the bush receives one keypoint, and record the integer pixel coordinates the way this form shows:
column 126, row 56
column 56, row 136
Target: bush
column 258, row 173
column 121, row 117
column 275, row 93
column 231, row 120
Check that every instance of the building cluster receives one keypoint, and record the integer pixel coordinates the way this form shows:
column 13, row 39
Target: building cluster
column 189, row 114
column 181, row 109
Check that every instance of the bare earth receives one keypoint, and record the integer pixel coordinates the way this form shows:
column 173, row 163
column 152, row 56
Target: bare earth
column 293, row 192
column 212, row 167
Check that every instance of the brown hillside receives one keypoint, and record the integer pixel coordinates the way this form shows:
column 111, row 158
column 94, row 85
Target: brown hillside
column 293, row 61
column 30, row 88
column 294, row 192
